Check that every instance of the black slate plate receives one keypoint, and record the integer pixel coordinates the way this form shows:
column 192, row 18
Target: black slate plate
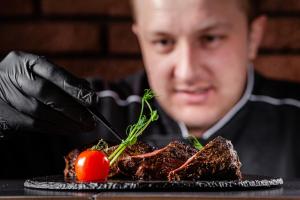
column 249, row 182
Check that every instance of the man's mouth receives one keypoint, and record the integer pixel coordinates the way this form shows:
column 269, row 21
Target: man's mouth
column 193, row 96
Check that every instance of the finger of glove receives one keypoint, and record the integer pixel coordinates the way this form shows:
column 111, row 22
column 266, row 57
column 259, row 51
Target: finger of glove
column 54, row 98
column 78, row 88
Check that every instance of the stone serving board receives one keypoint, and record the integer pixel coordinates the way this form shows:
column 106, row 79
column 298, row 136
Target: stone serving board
column 249, row 182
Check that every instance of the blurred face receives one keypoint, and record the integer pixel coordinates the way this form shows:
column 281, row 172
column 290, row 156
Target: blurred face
column 196, row 54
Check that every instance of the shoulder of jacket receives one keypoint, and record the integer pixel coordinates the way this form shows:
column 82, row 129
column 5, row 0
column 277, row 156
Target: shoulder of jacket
column 276, row 92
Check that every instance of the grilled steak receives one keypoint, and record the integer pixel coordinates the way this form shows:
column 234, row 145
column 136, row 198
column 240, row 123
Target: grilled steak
column 216, row 161
column 156, row 165
column 70, row 159
column 138, row 148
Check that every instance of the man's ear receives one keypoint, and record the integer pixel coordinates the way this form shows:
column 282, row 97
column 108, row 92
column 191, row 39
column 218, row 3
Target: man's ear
column 257, row 29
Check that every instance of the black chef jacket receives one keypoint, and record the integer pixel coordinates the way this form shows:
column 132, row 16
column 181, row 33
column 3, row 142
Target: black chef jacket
column 264, row 127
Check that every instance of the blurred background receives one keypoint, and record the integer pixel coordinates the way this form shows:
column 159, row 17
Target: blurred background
column 93, row 37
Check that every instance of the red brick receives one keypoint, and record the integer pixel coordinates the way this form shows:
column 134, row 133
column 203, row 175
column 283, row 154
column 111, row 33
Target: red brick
column 280, row 5
column 53, row 37
column 122, row 39
column 282, row 33
column 279, row 67
column 16, row 7
column 86, row 7
column 109, row 69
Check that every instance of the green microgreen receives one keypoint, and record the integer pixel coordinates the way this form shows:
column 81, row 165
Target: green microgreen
column 135, row 130
column 195, row 142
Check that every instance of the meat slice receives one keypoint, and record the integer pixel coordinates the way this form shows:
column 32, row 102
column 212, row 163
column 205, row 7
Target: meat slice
column 136, row 149
column 70, row 158
column 156, row 165
column 216, row 161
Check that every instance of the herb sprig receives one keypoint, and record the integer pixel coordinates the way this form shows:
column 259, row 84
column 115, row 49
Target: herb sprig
column 135, row 130
column 195, row 142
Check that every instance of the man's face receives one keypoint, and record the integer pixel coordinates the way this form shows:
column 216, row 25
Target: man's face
column 196, row 54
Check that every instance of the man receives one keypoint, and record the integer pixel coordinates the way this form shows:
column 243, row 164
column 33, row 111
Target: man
column 197, row 56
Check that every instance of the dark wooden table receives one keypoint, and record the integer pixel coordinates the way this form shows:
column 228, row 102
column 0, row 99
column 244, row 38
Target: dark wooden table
column 13, row 189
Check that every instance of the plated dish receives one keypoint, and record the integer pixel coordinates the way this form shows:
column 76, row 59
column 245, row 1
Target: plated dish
column 215, row 167
column 134, row 165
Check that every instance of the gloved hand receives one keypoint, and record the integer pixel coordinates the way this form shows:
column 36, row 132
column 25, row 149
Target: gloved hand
column 37, row 96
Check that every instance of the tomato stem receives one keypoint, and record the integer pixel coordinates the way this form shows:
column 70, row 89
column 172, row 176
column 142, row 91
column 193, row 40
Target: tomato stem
column 101, row 145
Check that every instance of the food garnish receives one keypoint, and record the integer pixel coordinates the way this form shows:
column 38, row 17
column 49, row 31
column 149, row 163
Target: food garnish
column 92, row 164
column 195, row 142
column 135, row 130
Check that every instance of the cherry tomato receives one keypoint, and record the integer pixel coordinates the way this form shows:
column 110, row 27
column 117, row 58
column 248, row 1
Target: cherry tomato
column 91, row 165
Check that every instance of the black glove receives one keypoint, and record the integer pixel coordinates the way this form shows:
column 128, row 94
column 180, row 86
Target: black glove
column 37, row 96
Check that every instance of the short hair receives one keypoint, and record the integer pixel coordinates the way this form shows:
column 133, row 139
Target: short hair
column 249, row 6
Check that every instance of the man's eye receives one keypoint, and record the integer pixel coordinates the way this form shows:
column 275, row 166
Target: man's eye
column 211, row 40
column 164, row 42
column 163, row 45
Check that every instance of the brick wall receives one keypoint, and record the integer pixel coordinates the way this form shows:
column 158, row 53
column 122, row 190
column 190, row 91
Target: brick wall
column 90, row 37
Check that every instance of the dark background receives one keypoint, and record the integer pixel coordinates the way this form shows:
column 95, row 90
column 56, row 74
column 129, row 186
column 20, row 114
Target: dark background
column 93, row 37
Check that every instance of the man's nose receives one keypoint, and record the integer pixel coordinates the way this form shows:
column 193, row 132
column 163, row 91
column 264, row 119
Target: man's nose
column 187, row 65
